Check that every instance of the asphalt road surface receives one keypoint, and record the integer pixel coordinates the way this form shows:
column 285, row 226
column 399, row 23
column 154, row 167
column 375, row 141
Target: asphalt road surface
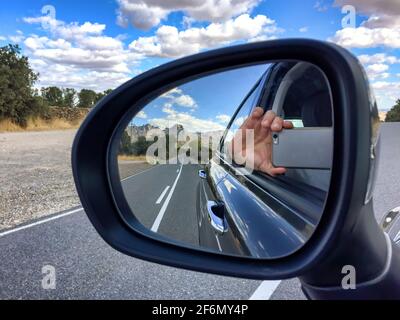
column 86, row 268
column 167, row 206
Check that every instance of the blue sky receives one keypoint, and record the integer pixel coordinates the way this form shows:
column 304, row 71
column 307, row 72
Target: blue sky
column 206, row 104
column 101, row 44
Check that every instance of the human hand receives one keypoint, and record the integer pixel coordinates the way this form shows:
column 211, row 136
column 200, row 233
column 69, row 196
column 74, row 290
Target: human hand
column 264, row 125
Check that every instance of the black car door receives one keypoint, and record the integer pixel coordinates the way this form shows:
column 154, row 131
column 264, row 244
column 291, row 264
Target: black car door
column 234, row 203
column 214, row 229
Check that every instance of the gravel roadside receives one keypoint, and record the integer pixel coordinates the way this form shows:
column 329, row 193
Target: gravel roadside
column 36, row 175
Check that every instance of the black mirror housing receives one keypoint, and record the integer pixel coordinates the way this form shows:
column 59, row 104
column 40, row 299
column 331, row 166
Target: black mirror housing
column 347, row 220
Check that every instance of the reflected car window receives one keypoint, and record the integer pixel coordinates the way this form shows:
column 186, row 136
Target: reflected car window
column 245, row 110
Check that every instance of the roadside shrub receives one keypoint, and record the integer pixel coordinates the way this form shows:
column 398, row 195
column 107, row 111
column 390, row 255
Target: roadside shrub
column 394, row 114
column 18, row 100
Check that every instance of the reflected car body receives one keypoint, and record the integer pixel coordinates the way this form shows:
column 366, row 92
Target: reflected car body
column 252, row 214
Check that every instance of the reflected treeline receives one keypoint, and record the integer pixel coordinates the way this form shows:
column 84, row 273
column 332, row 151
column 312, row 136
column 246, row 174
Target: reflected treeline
column 164, row 145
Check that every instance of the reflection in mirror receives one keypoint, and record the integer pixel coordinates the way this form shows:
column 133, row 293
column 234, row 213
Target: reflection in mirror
column 197, row 163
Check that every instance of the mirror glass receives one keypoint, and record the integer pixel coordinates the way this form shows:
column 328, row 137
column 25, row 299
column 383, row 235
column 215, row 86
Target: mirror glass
column 237, row 162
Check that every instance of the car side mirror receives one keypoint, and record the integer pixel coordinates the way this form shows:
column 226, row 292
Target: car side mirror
column 303, row 226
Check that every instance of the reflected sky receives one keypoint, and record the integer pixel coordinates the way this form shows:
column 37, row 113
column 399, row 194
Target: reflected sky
column 206, row 104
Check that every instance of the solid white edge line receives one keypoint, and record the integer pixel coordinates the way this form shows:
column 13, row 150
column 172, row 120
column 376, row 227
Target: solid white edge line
column 40, row 222
column 160, row 216
column 160, row 199
column 265, row 290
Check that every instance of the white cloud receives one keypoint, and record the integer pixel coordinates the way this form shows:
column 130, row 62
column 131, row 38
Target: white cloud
column 383, row 14
column 3, row 38
column 188, row 121
column 303, row 29
column 17, row 38
column 100, row 43
column 65, row 53
column 372, row 6
column 141, row 115
column 35, row 42
column 172, row 92
column 382, row 21
column 378, row 58
column 381, row 29
column 145, row 14
column 224, row 118
column 185, row 101
column 377, row 70
column 171, row 43
column 387, row 93
column 377, row 65
column 363, row 37
column 78, row 55
column 178, row 98
column 64, row 30
column 384, row 85
column 262, row 37
column 63, row 76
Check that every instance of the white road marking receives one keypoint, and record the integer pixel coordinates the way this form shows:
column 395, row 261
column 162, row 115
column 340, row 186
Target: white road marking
column 397, row 237
column 139, row 173
column 265, row 290
column 160, row 199
column 219, row 244
column 40, row 222
column 160, row 216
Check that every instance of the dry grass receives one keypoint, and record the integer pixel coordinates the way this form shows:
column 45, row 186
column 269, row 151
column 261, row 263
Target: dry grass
column 132, row 158
column 38, row 124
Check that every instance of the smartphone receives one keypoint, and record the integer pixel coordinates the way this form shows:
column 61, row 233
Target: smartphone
column 303, row 148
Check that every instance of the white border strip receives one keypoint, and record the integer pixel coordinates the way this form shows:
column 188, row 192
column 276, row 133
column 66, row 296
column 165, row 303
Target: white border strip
column 40, row 222
column 265, row 290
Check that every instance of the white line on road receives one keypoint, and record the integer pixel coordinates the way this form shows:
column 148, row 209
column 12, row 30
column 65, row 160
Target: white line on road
column 397, row 237
column 265, row 290
column 160, row 199
column 219, row 244
column 40, row 222
column 160, row 216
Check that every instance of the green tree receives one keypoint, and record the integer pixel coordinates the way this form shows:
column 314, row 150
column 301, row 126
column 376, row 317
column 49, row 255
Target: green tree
column 18, row 100
column 53, row 96
column 140, row 146
column 101, row 95
column 69, row 97
column 87, row 98
column 394, row 114
column 107, row 92
column 125, row 145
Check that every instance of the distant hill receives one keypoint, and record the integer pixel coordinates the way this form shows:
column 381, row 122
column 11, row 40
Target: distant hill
column 142, row 131
column 149, row 130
